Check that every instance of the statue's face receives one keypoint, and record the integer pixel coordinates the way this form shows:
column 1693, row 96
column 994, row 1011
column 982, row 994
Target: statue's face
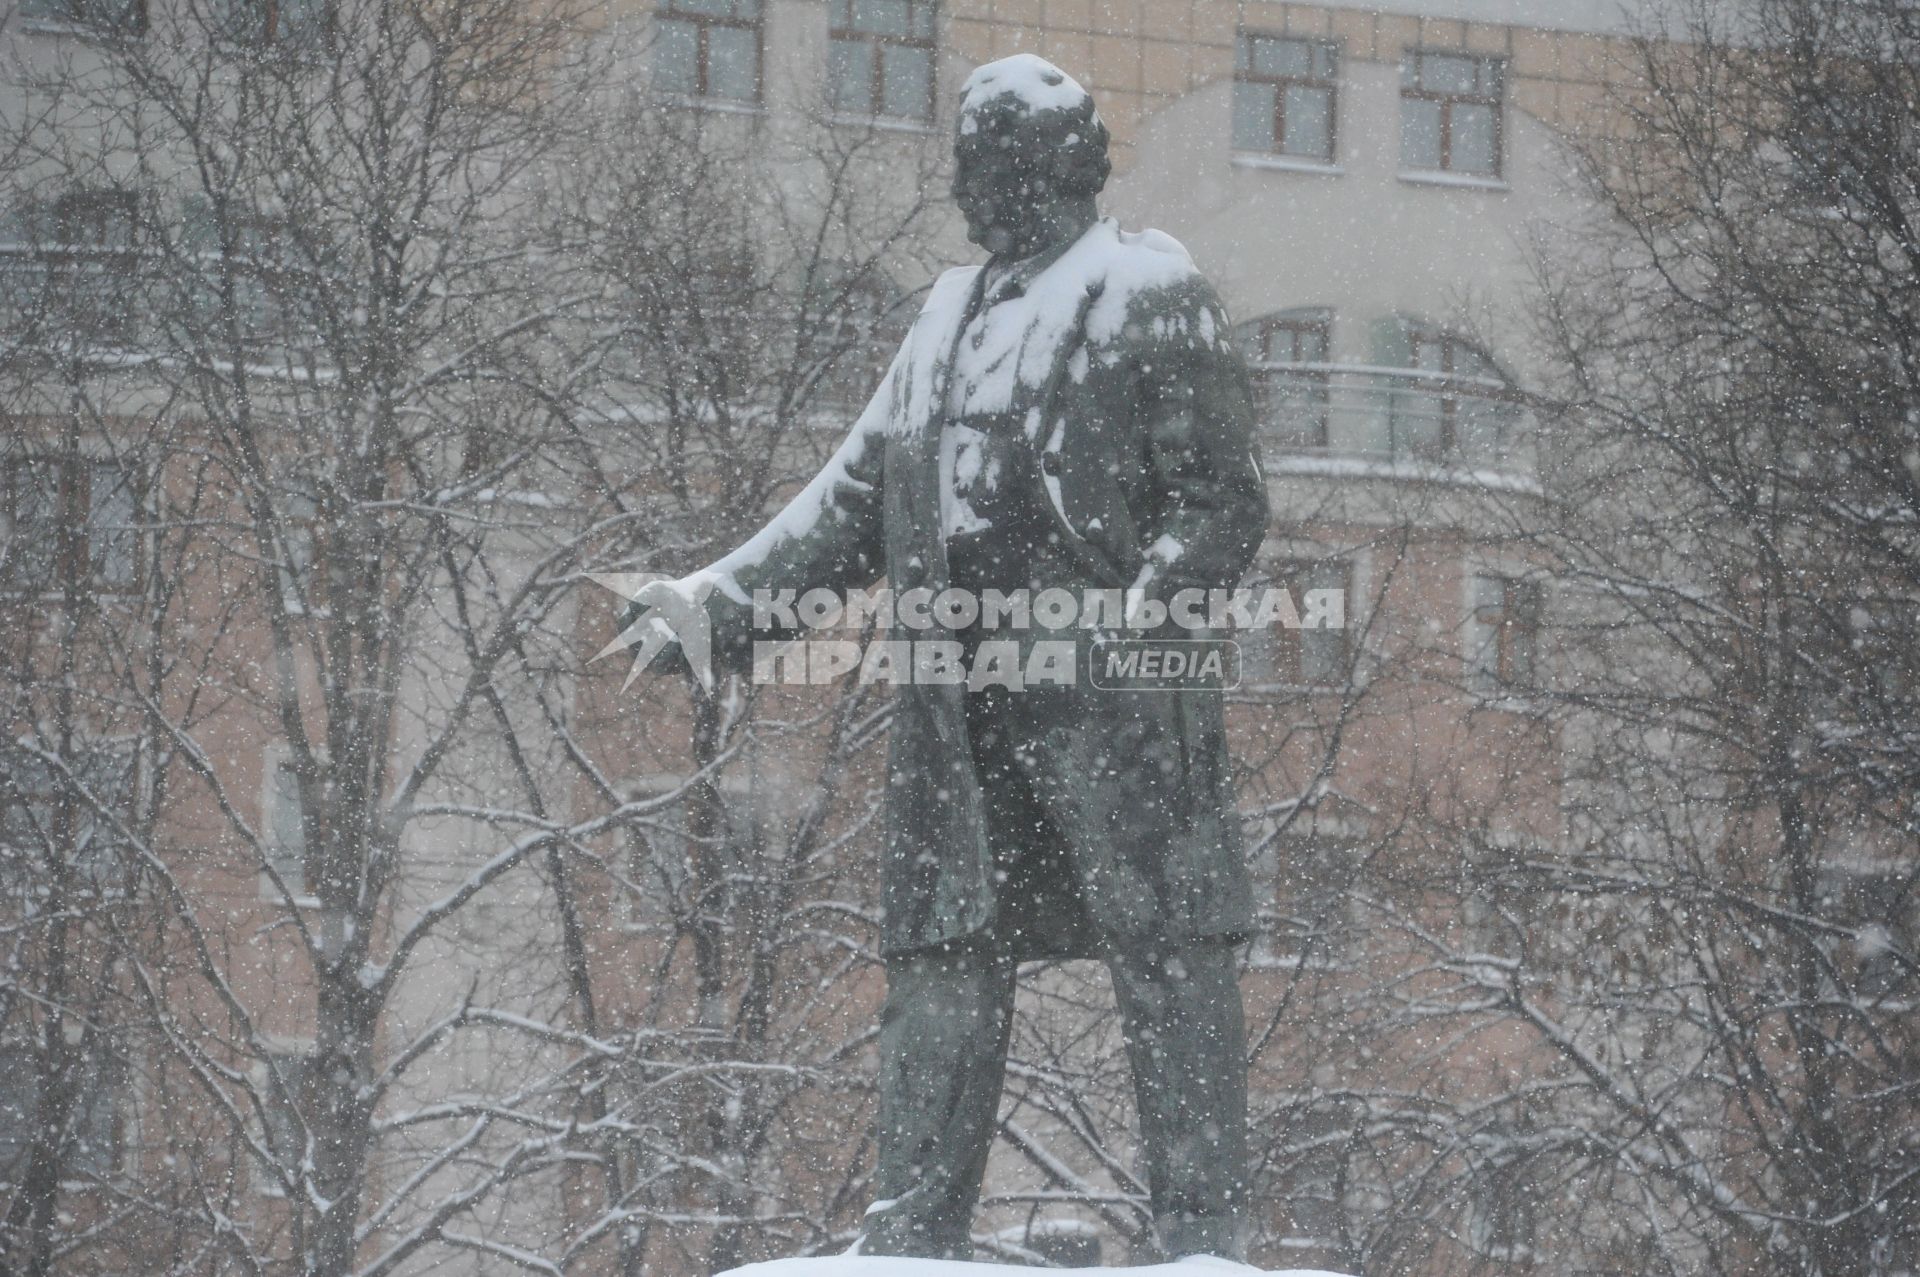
column 1001, row 187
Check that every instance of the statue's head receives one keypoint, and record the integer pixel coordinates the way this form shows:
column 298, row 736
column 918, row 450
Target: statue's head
column 1030, row 155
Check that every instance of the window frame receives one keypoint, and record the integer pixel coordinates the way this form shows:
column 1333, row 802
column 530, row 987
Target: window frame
column 1866, row 898
column 72, row 516
column 74, row 20
column 1503, row 1219
column 1300, row 326
column 1447, row 385
column 236, row 25
column 1501, row 633
column 876, row 42
column 644, row 849
column 703, row 24
column 39, row 793
column 78, row 256
column 97, row 1109
column 1288, row 647
column 279, row 761
column 281, row 1103
column 1306, row 873
column 1411, row 89
column 1330, row 83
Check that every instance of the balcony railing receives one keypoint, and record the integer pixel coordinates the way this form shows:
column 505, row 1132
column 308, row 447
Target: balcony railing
column 1395, row 415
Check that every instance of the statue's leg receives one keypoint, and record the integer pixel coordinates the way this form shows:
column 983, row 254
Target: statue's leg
column 1186, row 1040
column 943, row 1051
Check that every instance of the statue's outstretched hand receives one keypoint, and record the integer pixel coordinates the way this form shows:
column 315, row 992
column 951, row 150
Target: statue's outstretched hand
column 663, row 616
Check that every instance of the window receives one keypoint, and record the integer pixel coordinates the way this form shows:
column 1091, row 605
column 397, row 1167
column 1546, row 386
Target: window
column 104, row 219
column 659, row 857
column 1312, row 1174
column 708, row 49
column 285, row 832
column 1450, row 113
column 1314, row 653
column 74, row 268
column 67, row 520
column 291, row 22
column 1878, row 672
column 47, row 818
column 299, row 509
column 90, row 1143
column 1882, row 907
column 1503, row 642
column 880, row 58
column 1289, row 354
column 285, row 1089
column 1455, row 405
column 674, row 869
column 118, row 16
column 1504, row 1217
column 1284, row 96
column 1310, row 922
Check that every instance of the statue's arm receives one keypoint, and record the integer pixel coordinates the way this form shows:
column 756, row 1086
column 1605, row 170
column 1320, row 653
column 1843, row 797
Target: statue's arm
column 828, row 536
column 1209, row 502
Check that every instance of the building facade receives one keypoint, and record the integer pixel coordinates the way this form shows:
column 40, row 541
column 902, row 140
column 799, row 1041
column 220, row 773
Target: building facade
column 1363, row 183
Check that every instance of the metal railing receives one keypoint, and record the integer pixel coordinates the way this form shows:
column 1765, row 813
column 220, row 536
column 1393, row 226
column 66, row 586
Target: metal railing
column 1394, row 414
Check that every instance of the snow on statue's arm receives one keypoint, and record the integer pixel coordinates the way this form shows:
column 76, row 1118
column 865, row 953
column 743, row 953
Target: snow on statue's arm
column 1209, row 510
column 828, row 536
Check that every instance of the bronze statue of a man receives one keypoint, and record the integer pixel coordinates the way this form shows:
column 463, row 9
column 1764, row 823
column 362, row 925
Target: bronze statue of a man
column 1070, row 415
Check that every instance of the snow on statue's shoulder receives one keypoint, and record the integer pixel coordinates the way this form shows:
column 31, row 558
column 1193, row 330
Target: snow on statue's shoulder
column 1158, row 241
column 885, row 1266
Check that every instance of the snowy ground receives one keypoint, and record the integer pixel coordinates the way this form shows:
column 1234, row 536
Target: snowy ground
column 883, row 1266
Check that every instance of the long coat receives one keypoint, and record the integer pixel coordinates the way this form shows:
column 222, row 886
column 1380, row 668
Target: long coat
column 1115, row 361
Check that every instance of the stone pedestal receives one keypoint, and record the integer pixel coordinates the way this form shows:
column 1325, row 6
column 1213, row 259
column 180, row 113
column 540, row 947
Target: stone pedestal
column 887, row 1266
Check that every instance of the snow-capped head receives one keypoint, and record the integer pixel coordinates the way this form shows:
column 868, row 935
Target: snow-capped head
column 1033, row 83
column 1030, row 155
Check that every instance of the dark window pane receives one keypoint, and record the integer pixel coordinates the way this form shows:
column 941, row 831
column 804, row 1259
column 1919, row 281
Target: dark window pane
column 1418, row 424
column 908, row 80
column 110, row 525
column 1419, row 134
column 1309, row 123
column 1440, row 73
column 733, row 63
column 1253, row 116
column 1283, row 57
column 850, row 76
column 1472, row 150
column 923, row 19
column 882, row 17
column 676, row 57
column 31, row 543
column 286, row 828
column 127, row 15
column 706, row 8
column 301, row 21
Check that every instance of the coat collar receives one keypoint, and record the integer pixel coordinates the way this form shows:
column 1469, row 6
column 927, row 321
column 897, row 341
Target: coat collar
column 1007, row 280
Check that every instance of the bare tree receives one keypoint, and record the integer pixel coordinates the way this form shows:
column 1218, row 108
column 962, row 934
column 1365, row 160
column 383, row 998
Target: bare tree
column 393, row 369
column 1709, row 970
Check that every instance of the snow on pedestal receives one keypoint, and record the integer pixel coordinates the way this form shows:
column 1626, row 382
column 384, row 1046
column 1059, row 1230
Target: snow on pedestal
column 887, row 1266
